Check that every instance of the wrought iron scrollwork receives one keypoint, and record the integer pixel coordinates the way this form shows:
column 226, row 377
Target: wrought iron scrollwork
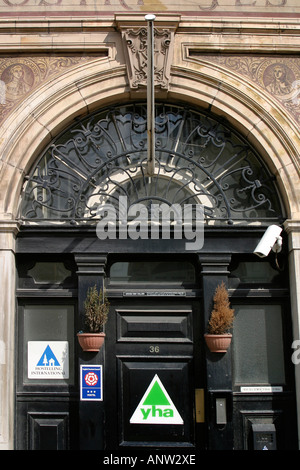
column 103, row 156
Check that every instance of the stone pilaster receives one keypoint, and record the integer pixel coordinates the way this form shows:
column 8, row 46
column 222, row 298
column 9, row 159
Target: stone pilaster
column 8, row 232
column 293, row 230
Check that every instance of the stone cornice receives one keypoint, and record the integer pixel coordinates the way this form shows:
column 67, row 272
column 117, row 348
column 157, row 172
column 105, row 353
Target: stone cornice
column 196, row 24
column 90, row 34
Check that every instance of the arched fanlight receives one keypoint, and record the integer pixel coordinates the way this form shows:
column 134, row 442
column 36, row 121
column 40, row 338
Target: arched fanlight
column 197, row 160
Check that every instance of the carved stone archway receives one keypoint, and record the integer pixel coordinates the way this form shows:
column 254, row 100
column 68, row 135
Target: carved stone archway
column 29, row 129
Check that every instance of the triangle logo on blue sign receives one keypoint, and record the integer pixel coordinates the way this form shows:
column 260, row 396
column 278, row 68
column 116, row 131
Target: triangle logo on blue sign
column 48, row 358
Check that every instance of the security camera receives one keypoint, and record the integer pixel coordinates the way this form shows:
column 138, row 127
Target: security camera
column 270, row 240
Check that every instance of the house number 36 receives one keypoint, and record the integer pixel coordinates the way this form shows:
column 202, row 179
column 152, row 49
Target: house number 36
column 154, row 349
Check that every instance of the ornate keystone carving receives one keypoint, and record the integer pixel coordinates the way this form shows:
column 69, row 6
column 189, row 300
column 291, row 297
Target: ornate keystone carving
column 136, row 48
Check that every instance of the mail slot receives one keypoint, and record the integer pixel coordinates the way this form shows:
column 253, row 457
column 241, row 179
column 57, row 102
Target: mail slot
column 264, row 436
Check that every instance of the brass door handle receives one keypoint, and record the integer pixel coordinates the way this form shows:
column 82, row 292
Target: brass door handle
column 199, row 405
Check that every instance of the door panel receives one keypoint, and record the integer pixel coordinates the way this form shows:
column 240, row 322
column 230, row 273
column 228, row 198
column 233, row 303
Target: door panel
column 136, row 375
column 155, row 342
column 46, row 424
column 154, row 325
column 46, row 408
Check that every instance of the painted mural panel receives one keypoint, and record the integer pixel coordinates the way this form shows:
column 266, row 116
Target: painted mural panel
column 278, row 75
column 20, row 75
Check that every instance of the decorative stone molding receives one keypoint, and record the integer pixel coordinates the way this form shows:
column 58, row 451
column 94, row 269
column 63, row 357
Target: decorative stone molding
column 9, row 229
column 292, row 228
column 135, row 42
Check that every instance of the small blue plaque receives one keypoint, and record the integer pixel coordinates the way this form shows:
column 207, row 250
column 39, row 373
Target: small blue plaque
column 91, row 386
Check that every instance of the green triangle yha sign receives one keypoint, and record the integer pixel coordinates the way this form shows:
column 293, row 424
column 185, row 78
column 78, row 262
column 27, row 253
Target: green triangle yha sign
column 156, row 406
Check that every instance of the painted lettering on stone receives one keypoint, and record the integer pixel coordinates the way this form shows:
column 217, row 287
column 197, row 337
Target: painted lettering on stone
column 141, row 5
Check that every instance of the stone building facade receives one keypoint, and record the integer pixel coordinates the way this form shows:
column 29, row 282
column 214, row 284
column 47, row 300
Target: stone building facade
column 235, row 61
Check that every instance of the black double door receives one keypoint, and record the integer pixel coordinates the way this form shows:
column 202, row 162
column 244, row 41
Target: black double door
column 153, row 371
column 152, row 368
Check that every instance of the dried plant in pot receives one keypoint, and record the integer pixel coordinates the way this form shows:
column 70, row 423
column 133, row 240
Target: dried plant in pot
column 96, row 308
column 218, row 337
